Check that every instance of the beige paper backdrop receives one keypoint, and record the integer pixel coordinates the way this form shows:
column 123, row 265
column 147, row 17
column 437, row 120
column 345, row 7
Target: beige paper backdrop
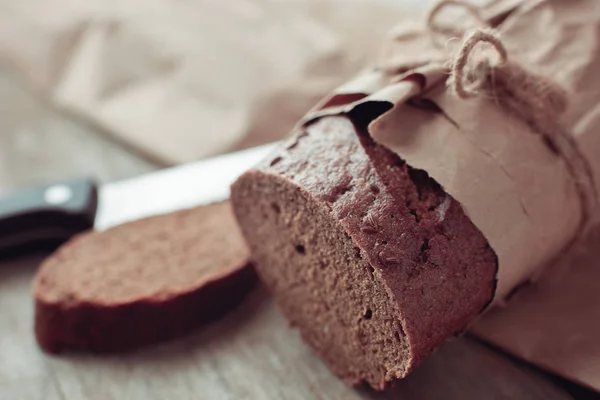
column 184, row 80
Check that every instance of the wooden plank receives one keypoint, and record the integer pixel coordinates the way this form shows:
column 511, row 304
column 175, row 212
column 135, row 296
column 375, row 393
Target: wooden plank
column 24, row 389
column 249, row 354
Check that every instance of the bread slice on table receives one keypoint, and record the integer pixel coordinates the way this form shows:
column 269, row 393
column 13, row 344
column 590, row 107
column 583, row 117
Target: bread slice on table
column 370, row 259
column 142, row 282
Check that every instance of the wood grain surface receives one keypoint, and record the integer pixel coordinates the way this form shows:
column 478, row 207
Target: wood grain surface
column 249, row 354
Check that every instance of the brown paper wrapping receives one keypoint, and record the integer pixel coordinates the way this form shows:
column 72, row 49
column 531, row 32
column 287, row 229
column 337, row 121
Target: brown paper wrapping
column 512, row 186
column 555, row 323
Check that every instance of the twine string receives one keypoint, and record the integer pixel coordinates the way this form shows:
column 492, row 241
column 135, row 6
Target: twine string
column 535, row 99
column 436, row 29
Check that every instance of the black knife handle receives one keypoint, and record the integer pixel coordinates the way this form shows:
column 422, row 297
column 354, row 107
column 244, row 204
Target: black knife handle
column 49, row 214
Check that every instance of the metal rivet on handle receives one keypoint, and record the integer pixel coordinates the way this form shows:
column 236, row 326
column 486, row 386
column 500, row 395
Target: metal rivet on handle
column 58, row 194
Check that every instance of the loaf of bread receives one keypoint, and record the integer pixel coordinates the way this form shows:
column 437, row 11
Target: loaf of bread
column 370, row 259
column 141, row 282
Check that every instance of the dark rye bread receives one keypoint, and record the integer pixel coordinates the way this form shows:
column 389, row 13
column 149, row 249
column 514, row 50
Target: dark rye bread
column 141, row 282
column 369, row 258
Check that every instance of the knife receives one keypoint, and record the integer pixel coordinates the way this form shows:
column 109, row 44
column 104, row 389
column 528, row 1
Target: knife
column 55, row 212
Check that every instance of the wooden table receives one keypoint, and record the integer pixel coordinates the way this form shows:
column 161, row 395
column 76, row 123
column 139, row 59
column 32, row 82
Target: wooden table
column 250, row 354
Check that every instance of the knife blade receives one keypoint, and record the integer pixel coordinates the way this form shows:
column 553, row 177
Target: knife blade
column 53, row 213
column 174, row 188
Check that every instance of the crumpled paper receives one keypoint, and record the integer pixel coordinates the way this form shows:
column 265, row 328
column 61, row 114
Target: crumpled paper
column 514, row 187
column 183, row 80
column 510, row 183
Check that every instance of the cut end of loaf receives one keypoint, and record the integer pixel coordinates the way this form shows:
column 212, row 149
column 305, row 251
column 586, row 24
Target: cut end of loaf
column 368, row 258
column 322, row 282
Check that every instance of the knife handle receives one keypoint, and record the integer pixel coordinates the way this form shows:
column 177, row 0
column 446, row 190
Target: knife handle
column 47, row 215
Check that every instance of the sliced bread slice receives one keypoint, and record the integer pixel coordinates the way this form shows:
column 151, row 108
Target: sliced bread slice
column 141, row 282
